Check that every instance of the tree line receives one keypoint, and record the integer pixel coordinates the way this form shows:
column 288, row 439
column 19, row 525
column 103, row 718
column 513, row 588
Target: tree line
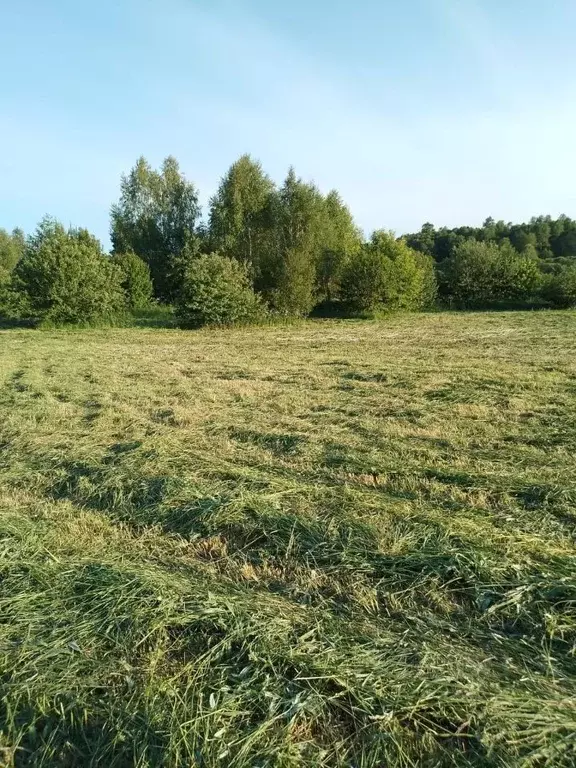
column 267, row 250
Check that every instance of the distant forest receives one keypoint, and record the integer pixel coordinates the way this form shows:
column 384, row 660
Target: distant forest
column 265, row 251
column 554, row 240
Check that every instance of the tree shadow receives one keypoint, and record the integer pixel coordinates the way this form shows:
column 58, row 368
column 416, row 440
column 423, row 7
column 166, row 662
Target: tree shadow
column 159, row 316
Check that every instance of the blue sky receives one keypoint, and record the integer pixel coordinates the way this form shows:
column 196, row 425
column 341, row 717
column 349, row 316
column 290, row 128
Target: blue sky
column 415, row 110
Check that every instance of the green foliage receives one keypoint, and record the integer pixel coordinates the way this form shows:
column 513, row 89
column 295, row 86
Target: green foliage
column 238, row 223
column 216, row 290
column 301, row 216
column 560, row 289
column 553, row 239
column 387, row 274
column 156, row 217
column 341, row 239
column 298, row 223
column 11, row 250
column 64, row 277
column 479, row 274
column 303, row 251
column 294, row 292
column 364, row 280
column 136, row 280
column 293, row 240
column 428, row 291
column 179, row 264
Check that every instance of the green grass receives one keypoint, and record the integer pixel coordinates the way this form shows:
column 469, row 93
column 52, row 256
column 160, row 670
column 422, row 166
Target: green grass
column 328, row 544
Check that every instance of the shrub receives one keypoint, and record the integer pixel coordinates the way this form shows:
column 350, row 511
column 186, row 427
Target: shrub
column 11, row 249
column 64, row 277
column 13, row 303
column 429, row 282
column 386, row 273
column 216, row 291
column 294, row 295
column 560, row 289
column 136, row 280
column 479, row 274
column 364, row 279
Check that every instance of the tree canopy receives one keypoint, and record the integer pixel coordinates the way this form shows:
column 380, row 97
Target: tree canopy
column 156, row 217
column 291, row 245
column 64, row 277
column 11, row 251
column 553, row 239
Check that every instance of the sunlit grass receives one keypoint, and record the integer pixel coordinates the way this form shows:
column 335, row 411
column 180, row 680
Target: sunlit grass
column 328, row 544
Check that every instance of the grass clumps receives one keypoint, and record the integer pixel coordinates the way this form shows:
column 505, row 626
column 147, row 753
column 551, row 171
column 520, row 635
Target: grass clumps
column 331, row 544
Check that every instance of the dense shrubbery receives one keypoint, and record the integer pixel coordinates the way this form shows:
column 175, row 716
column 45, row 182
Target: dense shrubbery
column 479, row 274
column 428, row 281
column 136, row 280
column 560, row 289
column 279, row 250
column 216, row 290
column 64, row 277
column 554, row 240
column 386, row 274
column 11, row 250
column 293, row 294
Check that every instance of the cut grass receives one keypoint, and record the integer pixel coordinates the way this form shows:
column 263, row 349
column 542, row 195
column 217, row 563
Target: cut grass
column 329, row 544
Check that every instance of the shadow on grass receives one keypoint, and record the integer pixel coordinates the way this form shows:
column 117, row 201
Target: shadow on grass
column 261, row 532
column 7, row 324
column 160, row 316
column 279, row 444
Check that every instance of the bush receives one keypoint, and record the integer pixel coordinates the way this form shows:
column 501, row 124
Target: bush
column 428, row 295
column 294, row 295
column 479, row 274
column 64, row 277
column 364, row 280
column 11, row 249
column 560, row 289
column 386, row 273
column 136, row 280
column 13, row 303
column 216, row 291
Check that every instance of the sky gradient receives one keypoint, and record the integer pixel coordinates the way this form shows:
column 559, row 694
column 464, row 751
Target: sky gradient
column 415, row 110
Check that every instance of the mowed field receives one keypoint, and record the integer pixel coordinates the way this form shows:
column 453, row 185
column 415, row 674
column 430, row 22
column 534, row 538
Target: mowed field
column 326, row 544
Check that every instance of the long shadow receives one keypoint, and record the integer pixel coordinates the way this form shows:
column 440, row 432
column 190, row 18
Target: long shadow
column 260, row 532
column 7, row 324
column 155, row 317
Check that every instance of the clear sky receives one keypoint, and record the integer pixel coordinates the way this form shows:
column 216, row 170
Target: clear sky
column 415, row 110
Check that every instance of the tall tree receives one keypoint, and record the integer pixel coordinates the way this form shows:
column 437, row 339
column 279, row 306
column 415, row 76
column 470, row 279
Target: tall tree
column 11, row 251
column 156, row 218
column 296, row 218
column 341, row 239
column 423, row 241
column 238, row 223
column 302, row 214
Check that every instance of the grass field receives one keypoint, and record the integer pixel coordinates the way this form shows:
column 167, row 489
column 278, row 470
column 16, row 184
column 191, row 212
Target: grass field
column 328, row 544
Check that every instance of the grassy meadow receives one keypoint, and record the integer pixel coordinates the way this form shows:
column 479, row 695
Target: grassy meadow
column 322, row 544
